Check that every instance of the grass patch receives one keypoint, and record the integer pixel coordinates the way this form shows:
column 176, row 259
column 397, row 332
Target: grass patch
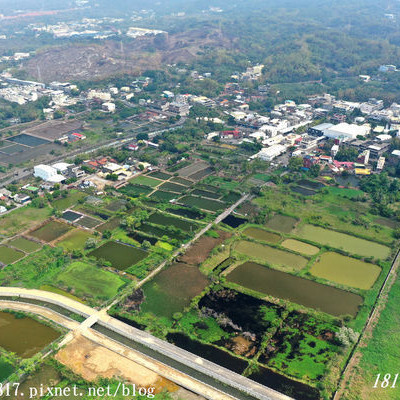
column 67, row 202
column 22, row 219
column 24, row 244
column 146, row 181
column 9, row 256
column 74, row 240
column 86, row 280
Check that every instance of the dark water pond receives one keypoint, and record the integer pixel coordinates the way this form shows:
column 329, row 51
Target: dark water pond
column 186, row 212
column 208, row 352
column 297, row 390
column 298, row 290
column 121, row 256
column 233, row 221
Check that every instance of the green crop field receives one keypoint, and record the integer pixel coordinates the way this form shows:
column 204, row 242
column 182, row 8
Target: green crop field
column 75, row 240
column 89, row 281
column 146, row 181
column 22, row 219
column 24, row 244
column 9, row 255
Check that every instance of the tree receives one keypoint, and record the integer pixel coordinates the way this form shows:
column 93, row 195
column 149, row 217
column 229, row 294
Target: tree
column 295, row 163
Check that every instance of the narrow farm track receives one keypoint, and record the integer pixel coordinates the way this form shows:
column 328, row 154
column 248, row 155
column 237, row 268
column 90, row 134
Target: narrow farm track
column 185, row 247
column 368, row 328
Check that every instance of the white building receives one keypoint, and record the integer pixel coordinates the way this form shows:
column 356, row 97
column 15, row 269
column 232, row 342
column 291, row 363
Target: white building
column 93, row 94
column 47, row 173
column 269, row 153
column 347, row 131
column 108, row 107
column 2, row 209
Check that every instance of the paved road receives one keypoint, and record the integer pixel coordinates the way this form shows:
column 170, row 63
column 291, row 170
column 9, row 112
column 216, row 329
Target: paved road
column 165, row 350
column 21, row 173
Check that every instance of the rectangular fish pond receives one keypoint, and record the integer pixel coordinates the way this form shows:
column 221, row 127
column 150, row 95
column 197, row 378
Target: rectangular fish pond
column 271, row 255
column 297, row 290
column 346, row 270
column 161, row 219
column 50, row 231
column 343, row 241
column 121, row 256
column 24, row 336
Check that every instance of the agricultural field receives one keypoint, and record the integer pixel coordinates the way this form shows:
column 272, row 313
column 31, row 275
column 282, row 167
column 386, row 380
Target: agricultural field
column 88, row 281
column 74, row 240
column 9, row 255
column 172, row 290
column 23, row 244
column 146, row 181
column 51, row 231
column 22, row 219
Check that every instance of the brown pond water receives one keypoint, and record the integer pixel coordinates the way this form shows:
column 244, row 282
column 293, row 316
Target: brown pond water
column 298, row 290
column 24, row 336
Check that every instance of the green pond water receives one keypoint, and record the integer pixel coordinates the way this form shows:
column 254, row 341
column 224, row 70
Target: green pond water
column 271, row 255
column 297, row 290
column 300, row 247
column 346, row 271
column 261, row 234
column 281, row 223
column 343, row 241
column 121, row 256
column 24, row 336
column 204, row 204
column 161, row 219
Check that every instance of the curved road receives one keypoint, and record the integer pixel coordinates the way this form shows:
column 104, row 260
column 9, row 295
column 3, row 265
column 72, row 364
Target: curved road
column 145, row 340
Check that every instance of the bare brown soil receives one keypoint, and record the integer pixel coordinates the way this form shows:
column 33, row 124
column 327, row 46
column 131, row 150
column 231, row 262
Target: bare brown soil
column 92, row 361
column 200, row 251
column 98, row 61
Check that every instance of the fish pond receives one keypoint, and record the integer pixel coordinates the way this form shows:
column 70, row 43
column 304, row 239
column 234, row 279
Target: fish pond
column 186, row 212
column 204, row 204
column 263, row 235
column 300, row 247
column 209, row 352
column 234, row 222
column 14, row 337
column 51, row 231
column 294, row 389
column 71, row 216
column 343, row 241
column 271, row 255
column 74, row 240
column 297, row 290
column 172, row 290
column 121, row 256
column 346, row 271
column 281, row 223
column 161, row 219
